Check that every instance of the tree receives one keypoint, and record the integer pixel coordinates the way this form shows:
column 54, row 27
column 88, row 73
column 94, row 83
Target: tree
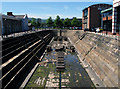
column 80, row 24
column 75, row 22
column 33, row 22
column 49, row 22
column 58, row 22
column 38, row 23
column 67, row 22
column 29, row 21
column 61, row 23
column 43, row 25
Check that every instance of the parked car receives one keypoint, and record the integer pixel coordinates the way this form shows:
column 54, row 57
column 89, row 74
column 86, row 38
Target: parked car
column 99, row 29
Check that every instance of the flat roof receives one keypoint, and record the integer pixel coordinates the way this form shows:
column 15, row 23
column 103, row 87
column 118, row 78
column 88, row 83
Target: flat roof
column 106, row 10
column 97, row 5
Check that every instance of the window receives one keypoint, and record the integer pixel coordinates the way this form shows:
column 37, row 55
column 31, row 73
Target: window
column 85, row 12
column 108, row 13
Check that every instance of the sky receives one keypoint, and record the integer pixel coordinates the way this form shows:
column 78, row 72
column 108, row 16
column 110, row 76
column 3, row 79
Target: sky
column 46, row 9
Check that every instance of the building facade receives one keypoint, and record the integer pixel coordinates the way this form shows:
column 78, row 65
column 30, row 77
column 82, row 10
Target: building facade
column 91, row 16
column 106, row 19
column 24, row 19
column 0, row 24
column 14, row 23
column 116, row 17
column 10, row 25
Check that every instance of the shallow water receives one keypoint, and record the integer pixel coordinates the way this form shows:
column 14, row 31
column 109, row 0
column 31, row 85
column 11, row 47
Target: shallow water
column 73, row 76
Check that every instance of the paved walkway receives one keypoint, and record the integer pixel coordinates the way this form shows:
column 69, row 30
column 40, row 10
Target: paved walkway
column 21, row 33
column 107, row 35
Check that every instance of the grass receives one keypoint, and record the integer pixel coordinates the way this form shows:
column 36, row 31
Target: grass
column 72, row 68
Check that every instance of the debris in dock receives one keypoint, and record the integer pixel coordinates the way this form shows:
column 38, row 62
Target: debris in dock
column 49, row 48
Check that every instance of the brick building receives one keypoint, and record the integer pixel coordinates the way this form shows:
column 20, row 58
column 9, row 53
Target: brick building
column 91, row 17
column 0, row 24
column 116, row 17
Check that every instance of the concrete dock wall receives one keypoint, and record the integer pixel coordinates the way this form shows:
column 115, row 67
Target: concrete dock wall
column 16, row 67
column 100, row 52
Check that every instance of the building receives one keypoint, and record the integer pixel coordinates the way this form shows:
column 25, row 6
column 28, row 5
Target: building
column 0, row 24
column 24, row 19
column 106, row 20
column 14, row 23
column 116, row 17
column 10, row 25
column 91, row 17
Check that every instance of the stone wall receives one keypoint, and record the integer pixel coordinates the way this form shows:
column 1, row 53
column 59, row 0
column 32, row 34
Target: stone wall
column 100, row 52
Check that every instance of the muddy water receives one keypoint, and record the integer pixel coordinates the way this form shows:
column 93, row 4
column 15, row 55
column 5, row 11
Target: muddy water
column 73, row 76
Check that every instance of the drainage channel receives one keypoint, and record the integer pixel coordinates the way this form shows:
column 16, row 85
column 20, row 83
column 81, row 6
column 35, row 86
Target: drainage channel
column 48, row 75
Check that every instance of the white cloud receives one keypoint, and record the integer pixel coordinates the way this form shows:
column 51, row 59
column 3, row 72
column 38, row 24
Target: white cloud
column 35, row 16
column 52, row 15
column 41, row 16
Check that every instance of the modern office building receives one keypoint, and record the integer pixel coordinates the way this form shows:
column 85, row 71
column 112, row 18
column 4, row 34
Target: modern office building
column 106, row 20
column 91, row 17
column 116, row 17
column 0, row 24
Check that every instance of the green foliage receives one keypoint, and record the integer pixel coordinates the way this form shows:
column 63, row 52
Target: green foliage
column 80, row 24
column 38, row 23
column 67, row 22
column 58, row 23
column 33, row 22
column 29, row 21
column 61, row 23
column 49, row 22
column 43, row 25
column 75, row 22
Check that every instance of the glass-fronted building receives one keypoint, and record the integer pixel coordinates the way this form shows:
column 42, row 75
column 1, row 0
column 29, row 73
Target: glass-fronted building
column 116, row 17
column 92, row 17
column 106, row 19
